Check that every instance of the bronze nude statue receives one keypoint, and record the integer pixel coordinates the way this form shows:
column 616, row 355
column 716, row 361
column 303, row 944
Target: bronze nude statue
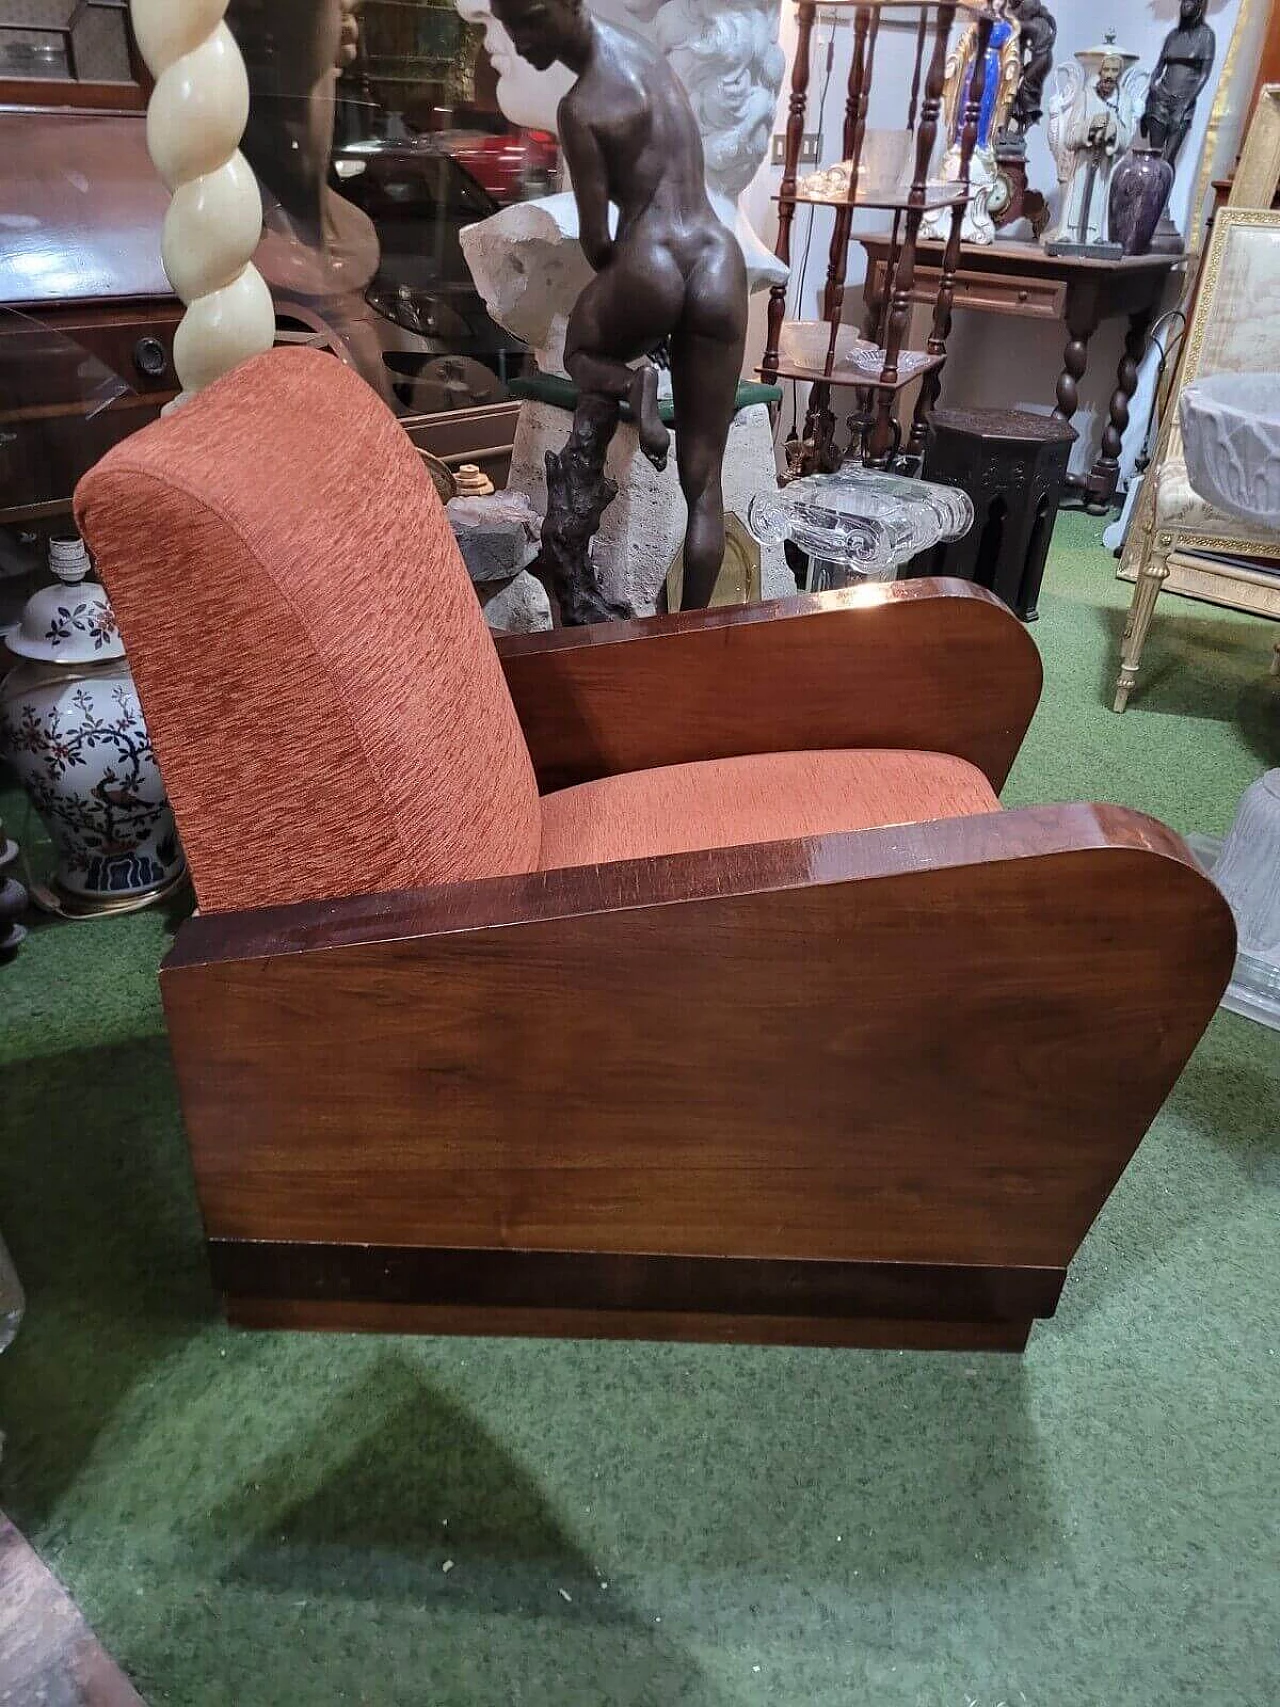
column 672, row 281
column 1037, row 37
column 1186, row 59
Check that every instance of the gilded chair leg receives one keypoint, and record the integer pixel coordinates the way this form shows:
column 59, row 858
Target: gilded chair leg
column 1152, row 575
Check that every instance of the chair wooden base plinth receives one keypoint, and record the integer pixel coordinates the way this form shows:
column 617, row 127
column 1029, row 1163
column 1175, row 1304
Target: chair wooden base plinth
column 605, row 1295
column 924, row 1055
column 866, row 1333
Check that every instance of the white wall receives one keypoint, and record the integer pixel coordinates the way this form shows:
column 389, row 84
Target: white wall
column 994, row 360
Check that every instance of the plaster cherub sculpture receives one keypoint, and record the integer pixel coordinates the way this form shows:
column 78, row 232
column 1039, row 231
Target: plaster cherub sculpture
column 1094, row 111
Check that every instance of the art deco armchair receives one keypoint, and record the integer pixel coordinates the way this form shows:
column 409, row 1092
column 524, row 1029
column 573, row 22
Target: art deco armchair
column 675, row 978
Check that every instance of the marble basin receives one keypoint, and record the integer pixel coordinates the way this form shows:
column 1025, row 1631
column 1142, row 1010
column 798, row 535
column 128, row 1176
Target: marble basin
column 1231, row 440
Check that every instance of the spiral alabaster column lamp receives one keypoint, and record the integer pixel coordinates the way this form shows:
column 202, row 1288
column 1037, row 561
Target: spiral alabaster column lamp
column 195, row 120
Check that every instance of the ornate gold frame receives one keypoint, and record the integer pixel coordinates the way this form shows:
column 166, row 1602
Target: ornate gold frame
column 1155, row 557
column 1229, row 219
column 1257, row 176
column 1245, row 43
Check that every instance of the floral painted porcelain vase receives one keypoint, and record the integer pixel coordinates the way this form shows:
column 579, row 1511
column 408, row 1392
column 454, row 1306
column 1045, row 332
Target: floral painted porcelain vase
column 72, row 727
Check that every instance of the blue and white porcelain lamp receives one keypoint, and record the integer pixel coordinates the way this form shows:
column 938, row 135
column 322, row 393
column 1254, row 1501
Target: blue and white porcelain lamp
column 72, row 728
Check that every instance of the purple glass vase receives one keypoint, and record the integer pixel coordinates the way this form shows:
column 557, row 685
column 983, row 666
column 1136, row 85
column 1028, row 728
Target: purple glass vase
column 1140, row 188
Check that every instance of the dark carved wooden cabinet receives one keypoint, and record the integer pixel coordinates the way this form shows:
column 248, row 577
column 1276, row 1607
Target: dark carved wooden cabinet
column 1014, row 467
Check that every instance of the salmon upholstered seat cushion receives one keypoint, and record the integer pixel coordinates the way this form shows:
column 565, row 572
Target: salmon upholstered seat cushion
column 768, row 797
column 326, row 703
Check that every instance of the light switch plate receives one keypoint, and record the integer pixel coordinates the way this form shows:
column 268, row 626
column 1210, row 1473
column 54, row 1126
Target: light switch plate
column 810, row 148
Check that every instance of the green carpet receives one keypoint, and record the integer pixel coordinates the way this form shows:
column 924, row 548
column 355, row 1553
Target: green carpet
column 266, row 1519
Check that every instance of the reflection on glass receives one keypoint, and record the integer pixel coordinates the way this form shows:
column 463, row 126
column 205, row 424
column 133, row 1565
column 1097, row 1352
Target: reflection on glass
column 420, row 68
column 369, row 177
column 83, row 41
column 30, row 54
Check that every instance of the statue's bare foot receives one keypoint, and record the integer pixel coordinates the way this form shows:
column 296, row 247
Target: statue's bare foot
column 655, row 440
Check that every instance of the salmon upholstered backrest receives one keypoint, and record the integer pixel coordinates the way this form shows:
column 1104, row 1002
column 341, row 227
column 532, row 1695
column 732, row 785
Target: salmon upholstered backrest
column 325, row 701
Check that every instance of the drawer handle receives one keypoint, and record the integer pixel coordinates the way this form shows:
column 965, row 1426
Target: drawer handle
column 1024, row 296
column 150, row 358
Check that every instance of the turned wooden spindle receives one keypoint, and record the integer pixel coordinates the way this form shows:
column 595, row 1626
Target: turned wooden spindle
column 917, row 75
column 1075, row 360
column 866, row 31
column 1135, row 347
column 904, row 279
column 806, row 13
column 931, row 387
column 877, row 318
column 857, row 103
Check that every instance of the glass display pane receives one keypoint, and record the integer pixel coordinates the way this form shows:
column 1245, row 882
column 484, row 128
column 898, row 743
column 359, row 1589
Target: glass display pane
column 376, row 137
column 84, row 41
column 369, row 179
column 33, row 53
column 37, row 14
column 101, row 46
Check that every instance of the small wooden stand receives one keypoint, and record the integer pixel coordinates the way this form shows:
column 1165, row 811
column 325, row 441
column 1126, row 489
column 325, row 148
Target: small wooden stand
column 890, row 367
column 1014, row 466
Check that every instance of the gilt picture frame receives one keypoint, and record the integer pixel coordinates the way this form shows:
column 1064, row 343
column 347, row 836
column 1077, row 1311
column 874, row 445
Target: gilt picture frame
column 1257, row 178
column 1241, row 267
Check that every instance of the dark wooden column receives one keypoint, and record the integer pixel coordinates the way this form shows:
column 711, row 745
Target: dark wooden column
column 931, row 386
column 807, row 11
column 1084, row 311
column 819, row 422
column 903, row 284
column 1106, row 471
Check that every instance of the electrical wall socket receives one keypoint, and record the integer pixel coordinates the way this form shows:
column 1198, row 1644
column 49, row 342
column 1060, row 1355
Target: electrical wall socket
column 810, row 148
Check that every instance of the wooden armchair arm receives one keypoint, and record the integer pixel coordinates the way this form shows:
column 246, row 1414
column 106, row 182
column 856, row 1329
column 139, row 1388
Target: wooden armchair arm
column 935, row 1045
column 939, row 666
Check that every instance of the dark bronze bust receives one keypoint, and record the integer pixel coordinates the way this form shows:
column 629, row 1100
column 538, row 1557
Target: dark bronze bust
column 671, row 280
column 1186, row 59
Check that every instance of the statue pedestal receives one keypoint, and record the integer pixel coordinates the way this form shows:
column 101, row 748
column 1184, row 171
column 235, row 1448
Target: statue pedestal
column 1085, row 251
column 644, row 527
column 1168, row 239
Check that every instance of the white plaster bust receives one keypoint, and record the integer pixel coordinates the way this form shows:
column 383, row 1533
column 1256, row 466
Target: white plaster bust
column 726, row 53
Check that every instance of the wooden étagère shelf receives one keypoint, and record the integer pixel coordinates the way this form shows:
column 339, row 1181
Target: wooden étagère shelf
column 875, row 428
column 805, row 353
column 885, row 197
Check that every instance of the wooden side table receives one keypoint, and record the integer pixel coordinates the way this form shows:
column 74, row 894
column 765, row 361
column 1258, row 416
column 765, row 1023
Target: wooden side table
column 1019, row 279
